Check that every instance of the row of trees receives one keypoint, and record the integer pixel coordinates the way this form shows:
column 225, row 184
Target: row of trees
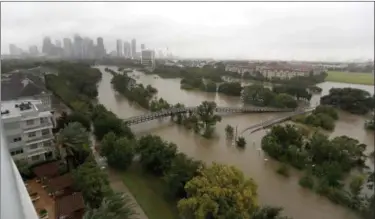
column 323, row 117
column 128, row 87
column 259, row 95
column 353, row 100
column 75, row 85
column 101, row 201
column 305, row 81
column 190, row 182
column 325, row 162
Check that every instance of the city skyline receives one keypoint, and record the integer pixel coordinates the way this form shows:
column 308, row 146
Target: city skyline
column 300, row 31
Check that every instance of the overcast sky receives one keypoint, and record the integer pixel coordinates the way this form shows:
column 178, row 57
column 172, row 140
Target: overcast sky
column 285, row 30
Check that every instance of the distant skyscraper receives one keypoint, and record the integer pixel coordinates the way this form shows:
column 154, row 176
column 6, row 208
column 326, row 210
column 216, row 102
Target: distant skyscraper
column 134, row 48
column 127, row 51
column 78, row 47
column 13, row 49
column 33, row 50
column 143, row 47
column 47, row 47
column 100, row 50
column 68, row 47
column 119, row 48
column 88, row 48
column 58, row 43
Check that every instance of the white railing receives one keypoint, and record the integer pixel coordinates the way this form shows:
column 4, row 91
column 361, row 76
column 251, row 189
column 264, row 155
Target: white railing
column 15, row 200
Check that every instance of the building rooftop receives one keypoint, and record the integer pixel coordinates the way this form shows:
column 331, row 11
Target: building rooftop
column 47, row 170
column 60, row 182
column 67, row 205
column 21, row 83
column 16, row 108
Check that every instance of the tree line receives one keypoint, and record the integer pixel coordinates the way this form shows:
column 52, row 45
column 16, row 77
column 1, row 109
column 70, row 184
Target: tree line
column 323, row 117
column 349, row 99
column 325, row 162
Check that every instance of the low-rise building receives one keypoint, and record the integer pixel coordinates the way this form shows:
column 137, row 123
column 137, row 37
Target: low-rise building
column 273, row 70
column 27, row 126
column 148, row 58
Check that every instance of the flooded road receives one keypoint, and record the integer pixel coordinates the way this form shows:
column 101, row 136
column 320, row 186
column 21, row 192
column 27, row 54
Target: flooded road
column 273, row 189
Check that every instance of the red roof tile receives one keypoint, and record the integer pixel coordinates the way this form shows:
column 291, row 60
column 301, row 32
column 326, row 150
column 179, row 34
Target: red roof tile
column 47, row 170
column 60, row 182
column 67, row 205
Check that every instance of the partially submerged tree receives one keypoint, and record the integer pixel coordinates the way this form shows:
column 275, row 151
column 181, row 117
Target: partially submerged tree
column 219, row 191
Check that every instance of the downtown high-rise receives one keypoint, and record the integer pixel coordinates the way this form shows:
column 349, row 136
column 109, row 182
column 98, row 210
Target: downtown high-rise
column 119, row 48
column 100, row 50
column 134, row 48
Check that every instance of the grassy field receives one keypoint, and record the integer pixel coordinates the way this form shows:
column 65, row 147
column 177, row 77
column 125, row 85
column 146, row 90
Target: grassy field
column 351, row 77
column 149, row 192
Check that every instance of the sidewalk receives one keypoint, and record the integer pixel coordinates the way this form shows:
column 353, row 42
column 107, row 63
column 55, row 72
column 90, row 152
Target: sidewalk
column 118, row 186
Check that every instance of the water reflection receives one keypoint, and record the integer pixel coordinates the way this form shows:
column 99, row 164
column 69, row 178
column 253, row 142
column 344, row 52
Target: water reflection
column 274, row 189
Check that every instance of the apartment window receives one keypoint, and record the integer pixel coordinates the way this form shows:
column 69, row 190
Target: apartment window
column 17, row 139
column 45, row 132
column 35, row 158
column 43, row 120
column 32, row 134
column 33, row 146
column 19, row 151
column 47, row 144
column 30, row 122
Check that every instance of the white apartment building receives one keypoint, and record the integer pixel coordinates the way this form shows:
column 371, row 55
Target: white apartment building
column 27, row 126
column 148, row 58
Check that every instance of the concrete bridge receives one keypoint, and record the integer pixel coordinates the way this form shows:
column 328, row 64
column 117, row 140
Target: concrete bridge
column 173, row 111
column 270, row 122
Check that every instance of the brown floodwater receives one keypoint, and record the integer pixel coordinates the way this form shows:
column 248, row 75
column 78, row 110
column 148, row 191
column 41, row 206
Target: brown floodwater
column 273, row 189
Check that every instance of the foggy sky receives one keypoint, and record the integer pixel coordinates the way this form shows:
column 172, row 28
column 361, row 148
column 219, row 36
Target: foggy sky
column 285, row 30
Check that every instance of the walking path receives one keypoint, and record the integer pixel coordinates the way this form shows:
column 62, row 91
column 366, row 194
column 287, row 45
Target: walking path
column 115, row 180
column 118, row 186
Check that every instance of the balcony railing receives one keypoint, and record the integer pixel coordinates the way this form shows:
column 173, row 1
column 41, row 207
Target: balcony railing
column 39, row 138
column 15, row 200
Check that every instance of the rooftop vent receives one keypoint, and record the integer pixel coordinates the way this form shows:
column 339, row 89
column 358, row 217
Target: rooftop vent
column 25, row 106
column 4, row 112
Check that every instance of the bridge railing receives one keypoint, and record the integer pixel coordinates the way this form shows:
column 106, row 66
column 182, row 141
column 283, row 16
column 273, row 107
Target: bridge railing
column 218, row 109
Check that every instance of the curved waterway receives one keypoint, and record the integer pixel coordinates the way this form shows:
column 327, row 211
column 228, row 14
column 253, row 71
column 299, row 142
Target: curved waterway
column 273, row 189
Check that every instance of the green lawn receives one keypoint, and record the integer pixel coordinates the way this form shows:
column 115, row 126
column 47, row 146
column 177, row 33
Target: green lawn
column 351, row 77
column 149, row 192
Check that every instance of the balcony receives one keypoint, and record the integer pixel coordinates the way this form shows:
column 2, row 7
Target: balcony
column 47, row 125
column 38, row 139
column 15, row 200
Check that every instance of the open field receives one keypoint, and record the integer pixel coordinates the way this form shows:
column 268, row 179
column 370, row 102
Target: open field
column 149, row 192
column 350, row 77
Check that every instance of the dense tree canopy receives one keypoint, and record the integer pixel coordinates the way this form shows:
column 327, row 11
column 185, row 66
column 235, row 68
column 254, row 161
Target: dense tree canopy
column 121, row 154
column 230, row 88
column 298, row 91
column 92, row 182
column 74, row 143
column 207, row 118
column 328, row 160
column 322, row 116
column 182, row 170
column 156, row 154
column 115, row 206
column 353, row 100
column 105, row 121
column 219, row 191
column 262, row 96
column 65, row 119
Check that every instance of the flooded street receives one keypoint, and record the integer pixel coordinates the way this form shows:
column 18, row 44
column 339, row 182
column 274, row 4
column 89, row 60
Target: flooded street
column 273, row 189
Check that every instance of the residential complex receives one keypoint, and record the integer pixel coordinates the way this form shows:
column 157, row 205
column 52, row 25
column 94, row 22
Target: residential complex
column 27, row 126
column 273, row 70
